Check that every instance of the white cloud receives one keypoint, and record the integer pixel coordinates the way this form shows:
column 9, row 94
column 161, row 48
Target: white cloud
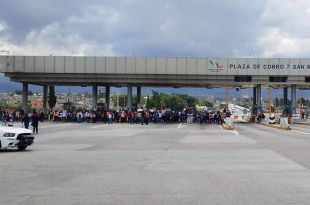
column 178, row 27
column 3, row 26
column 154, row 27
column 53, row 40
column 280, row 44
column 285, row 30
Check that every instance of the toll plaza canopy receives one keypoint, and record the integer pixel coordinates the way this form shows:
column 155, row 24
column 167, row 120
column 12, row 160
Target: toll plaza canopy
column 157, row 71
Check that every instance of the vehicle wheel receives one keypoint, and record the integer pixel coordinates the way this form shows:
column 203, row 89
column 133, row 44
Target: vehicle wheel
column 22, row 148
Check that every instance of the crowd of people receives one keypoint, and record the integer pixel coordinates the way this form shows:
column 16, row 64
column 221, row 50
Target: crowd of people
column 140, row 116
column 12, row 115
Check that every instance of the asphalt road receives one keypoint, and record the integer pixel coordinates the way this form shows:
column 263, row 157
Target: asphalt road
column 159, row 164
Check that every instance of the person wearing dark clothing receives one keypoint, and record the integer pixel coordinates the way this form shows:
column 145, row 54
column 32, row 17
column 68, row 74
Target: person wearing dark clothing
column 26, row 121
column 142, row 117
column 215, row 117
column 42, row 116
column 1, row 116
column 35, row 122
column 201, row 118
column 228, row 114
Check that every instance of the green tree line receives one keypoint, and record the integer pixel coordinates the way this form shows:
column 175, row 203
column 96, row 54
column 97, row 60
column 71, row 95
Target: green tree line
column 174, row 101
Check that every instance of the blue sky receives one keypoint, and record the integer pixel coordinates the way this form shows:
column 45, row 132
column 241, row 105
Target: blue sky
column 221, row 28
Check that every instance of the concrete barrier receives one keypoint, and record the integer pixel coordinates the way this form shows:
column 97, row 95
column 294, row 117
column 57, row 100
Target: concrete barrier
column 229, row 124
column 284, row 123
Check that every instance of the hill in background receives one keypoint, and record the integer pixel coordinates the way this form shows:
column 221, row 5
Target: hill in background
column 7, row 86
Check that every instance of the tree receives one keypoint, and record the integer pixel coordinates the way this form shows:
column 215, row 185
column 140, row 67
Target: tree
column 190, row 100
column 155, row 99
column 101, row 94
column 18, row 92
column 52, row 97
column 206, row 103
column 172, row 101
column 175, row 102
column 148, row 102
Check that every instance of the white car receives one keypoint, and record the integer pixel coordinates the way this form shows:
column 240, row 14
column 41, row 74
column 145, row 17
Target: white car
column 13, row 137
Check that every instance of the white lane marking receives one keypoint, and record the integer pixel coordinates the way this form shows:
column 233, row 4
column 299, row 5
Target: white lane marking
column 182, row 125
column 55, row 125
column 235, row 132
column 98, row 126
column 300, row 132
column 232, row 131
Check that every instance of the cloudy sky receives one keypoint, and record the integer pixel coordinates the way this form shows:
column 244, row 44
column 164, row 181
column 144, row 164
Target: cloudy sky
column 220, row 28
column 239, row 28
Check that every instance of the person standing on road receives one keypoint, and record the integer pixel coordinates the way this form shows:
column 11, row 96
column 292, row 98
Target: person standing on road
column 26, row 120
column 1, row 115
column 42, row 116
column 110, row 118
column 142, row 117
column 146, row 117
column 35, row 122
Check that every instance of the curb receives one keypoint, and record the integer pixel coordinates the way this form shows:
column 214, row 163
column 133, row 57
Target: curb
column 275, row 126
column 226, row 127
column 300, row 123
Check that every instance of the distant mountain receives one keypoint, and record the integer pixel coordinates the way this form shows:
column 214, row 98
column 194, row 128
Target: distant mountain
column 8, row 86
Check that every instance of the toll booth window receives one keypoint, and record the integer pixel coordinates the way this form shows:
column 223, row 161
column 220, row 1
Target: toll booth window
column 244, row 78
column 307, row 79
column 277, row 79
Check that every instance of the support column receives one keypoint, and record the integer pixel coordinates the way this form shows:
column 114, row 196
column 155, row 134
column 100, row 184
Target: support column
column 25, row 98
column 285, row 97
column 254, row 106
column 138, row 95
column 94, row 97
column 259, row 97
column 45, row 93
column 107, row 96
column 254, row 96
column 293, row 99
column 129, row 97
